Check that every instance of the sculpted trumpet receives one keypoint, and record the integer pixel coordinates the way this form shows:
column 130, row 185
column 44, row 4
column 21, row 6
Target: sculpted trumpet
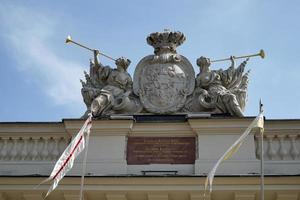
column 261, row 54
column 69, row 40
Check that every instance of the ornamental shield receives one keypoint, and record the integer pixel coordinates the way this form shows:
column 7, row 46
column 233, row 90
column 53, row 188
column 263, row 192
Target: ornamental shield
column 164, row 80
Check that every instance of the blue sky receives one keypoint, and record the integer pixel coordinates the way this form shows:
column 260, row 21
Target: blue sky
column 40, row 73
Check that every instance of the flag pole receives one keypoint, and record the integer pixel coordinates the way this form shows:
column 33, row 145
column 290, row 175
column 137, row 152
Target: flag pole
column 81, row 197
column 87, row 141
column 262, row 182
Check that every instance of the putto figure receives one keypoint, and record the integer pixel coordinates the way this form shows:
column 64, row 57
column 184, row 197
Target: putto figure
column 221, row 91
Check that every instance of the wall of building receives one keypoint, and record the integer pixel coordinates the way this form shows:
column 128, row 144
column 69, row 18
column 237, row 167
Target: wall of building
column 30, row 150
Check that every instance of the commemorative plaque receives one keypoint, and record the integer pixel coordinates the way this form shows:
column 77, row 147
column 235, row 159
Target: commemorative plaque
column 160, row 150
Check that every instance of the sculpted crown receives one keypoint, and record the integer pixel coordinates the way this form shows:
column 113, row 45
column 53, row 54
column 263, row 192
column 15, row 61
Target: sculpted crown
column 123, row 62
column 165, row 42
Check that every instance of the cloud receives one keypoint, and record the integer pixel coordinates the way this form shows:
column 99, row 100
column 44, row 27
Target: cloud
column 27, row 34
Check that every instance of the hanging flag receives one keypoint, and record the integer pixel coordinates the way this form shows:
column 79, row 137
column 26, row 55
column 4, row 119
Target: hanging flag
column 258, row 122
column 66, row 160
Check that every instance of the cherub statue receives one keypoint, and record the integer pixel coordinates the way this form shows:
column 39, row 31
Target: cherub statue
column 221, row 91
column 107, row 90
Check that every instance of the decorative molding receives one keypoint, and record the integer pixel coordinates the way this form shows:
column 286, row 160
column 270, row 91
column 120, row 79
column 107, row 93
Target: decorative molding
column 164, row 188
column 220, row 126
column 32, row 129
column 101, row 127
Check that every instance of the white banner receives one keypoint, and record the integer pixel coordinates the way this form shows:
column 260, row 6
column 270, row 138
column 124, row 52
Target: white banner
column 258, row 122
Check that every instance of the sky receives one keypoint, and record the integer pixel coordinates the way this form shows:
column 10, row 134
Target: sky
column 39, row 73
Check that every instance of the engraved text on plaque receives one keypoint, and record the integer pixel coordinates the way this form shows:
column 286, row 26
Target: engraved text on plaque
column 160, row 150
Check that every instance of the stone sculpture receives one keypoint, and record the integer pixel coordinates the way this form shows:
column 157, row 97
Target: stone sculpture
column 164, row 80
column 109, row 91
column 219, row 91
column 165, row 83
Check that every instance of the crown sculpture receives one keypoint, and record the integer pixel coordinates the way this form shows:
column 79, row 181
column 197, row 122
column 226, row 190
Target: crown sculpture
column 165, row 83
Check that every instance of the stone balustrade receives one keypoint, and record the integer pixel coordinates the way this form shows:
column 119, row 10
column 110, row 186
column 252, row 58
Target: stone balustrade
column 32, row 148
column 279, row 146
column 32, row 142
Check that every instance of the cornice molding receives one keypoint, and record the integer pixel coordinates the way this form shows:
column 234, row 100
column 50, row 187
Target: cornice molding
column 101, row 127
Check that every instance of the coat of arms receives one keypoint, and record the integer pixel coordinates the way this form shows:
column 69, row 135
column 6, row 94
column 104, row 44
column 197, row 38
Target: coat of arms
column 165, row 83
column 164, row 80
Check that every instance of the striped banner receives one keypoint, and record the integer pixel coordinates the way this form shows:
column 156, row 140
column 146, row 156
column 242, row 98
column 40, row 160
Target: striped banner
column 66, row 160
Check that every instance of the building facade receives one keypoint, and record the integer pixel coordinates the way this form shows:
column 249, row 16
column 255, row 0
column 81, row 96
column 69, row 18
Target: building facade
column 160, row 166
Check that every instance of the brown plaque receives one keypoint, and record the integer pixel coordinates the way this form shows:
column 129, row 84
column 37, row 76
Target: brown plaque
column 160, row 150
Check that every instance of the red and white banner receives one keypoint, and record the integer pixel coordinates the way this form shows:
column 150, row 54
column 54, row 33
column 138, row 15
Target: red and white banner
column 66, row 160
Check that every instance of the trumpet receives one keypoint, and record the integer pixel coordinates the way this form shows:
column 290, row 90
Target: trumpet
column 69, row 40
column 261, row 54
